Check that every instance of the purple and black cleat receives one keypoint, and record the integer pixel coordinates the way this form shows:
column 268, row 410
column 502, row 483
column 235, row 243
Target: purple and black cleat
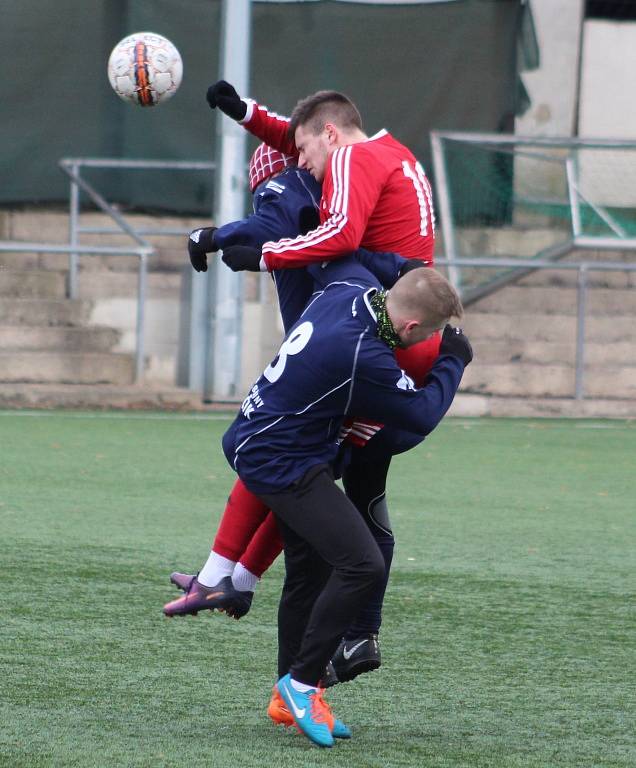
column 182, row 580
column 222, row 597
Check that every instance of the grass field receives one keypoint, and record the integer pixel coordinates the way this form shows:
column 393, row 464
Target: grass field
column 509, row 634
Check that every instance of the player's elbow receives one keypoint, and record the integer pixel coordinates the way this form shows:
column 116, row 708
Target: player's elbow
column 423, row 425
column 343, row 237
column 427, row 418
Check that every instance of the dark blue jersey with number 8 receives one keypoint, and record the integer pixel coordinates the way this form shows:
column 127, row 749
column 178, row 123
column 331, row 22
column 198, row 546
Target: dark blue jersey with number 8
column 330, row 365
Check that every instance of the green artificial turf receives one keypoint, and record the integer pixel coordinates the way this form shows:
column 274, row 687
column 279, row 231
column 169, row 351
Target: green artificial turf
column 509, row 634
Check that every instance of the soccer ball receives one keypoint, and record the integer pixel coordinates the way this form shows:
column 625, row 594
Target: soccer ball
column 145, row 69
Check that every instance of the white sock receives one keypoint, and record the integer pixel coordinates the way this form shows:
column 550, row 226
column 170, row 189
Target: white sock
column 215, row 568
column 302, row 687
column 243, row 579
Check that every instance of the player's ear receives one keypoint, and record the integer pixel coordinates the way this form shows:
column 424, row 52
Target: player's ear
column 332, row 133
column 411, row 325
column 412, row 330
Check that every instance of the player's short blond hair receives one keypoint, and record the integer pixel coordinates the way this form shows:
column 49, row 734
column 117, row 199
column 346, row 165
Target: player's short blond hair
column 324, row 107
column 427, row 296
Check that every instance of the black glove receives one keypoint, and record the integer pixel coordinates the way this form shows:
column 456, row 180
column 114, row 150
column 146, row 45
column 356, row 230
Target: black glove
column 308, row 219
column 410, row 265
column 224, row 96
column 242, row 257
column 200, row 242
column 455, row 343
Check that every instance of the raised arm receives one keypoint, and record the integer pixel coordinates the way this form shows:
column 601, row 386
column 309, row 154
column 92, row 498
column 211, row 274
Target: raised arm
column 258, row 120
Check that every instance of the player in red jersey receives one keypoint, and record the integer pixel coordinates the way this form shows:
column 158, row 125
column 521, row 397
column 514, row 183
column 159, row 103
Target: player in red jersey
column 375, row 195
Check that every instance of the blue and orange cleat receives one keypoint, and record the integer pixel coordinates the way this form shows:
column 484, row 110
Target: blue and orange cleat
column 308, row 711
column 279, row 713
column 222, row 597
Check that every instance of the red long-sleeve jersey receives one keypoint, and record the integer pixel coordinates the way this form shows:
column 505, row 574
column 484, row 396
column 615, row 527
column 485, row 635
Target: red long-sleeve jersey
column 375, row 195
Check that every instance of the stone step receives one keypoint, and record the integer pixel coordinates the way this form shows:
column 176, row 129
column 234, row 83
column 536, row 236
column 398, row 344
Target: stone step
column 14, row 262
column 165, row 260
column 531, row 380
column 470, row 405
column 552, row 300
column 59, row 338
column 31, row 284
column 102, row 285
column 495, row 325
column 66, row 367
column 564, row 278
column 595, row 278
column 53, row 227
column 105, row 396
column 145, row 397
column 518, row 242
column 44, row 312
column 524, row 242
column 553, row 352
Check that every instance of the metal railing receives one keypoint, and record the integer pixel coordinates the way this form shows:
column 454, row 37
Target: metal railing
column 526, row 265
column 15, row 246
column 143, row 249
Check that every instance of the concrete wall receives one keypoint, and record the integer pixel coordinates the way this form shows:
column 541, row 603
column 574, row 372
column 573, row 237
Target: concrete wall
column 608, row 109
column 553, row 86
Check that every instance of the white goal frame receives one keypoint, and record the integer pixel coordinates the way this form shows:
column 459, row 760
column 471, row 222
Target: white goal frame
column 576, row 240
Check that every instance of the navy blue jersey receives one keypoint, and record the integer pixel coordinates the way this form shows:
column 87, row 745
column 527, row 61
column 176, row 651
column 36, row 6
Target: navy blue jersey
column 331, row 364
column 279, row 207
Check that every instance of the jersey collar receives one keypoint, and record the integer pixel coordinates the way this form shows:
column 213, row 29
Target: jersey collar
column 379, row 135
column 366, row 297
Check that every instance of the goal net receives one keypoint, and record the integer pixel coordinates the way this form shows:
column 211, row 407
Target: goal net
column 519, row 198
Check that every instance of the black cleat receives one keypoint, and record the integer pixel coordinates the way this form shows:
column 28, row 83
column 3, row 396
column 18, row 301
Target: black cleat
column 329, row 677
column 355, row 657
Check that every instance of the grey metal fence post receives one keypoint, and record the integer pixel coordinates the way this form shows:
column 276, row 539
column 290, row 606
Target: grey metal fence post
column 141, row 315
column 580, row 332
column 445, row 209
column 225, row 288
column 71, row 288
column 571, row 168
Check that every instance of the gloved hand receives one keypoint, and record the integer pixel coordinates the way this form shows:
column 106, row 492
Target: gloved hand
column 242, row 257
column 200, row 242
column 224, row 96
column 410, row 265
column 455, row 343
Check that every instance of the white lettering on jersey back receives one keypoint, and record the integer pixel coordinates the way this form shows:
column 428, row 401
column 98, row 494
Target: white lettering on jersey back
column 252, row 402
column 275, row 186
column 405, row 382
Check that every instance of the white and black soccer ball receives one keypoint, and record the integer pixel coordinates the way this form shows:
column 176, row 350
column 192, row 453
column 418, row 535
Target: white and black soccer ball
column 145, row 69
